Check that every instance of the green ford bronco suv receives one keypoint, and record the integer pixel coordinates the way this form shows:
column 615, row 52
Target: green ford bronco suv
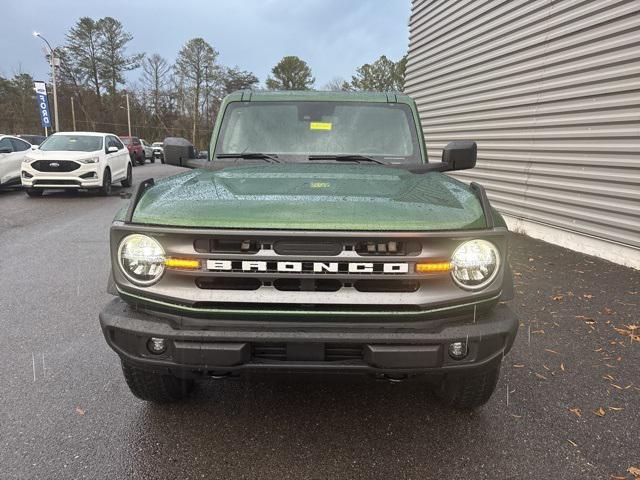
column 317, row 237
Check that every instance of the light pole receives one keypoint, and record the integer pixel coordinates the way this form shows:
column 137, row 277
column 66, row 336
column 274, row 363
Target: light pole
column 128, row 113
column 54, row 63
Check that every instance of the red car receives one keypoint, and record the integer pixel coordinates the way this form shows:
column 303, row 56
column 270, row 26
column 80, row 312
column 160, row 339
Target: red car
column 136, row 151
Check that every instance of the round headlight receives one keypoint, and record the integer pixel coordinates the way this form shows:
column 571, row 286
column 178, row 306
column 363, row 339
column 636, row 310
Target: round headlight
column 141, row 259
column 474, row 264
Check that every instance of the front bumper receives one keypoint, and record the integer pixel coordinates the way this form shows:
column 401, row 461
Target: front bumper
column 74, row 179
column 197, row 347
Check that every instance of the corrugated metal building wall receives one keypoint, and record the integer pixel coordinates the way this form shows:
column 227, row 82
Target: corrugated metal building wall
column 550, row 91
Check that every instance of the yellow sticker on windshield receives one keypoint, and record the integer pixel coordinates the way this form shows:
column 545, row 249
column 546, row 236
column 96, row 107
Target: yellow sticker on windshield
column 320, row 126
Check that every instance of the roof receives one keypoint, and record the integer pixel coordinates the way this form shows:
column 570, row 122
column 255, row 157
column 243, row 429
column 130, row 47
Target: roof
column 85, row 133
column 314, row 95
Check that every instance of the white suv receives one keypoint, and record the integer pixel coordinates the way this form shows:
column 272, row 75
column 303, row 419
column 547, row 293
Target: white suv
column 12, row 152
column 75, row 160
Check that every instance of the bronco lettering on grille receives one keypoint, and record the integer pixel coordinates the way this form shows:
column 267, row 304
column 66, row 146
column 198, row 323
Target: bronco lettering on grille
column 259, row 266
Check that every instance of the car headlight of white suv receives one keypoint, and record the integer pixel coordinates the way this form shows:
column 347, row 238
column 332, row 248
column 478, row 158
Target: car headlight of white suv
column 89, row 160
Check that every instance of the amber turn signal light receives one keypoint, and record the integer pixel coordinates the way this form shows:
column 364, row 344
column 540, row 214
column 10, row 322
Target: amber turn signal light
column 433, row 267
column 182, row 263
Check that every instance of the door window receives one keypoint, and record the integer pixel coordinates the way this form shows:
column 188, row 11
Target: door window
column 19, row 145
column 6, row 144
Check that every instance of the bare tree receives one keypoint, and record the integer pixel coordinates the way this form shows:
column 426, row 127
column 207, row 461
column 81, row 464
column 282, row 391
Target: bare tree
column 196, row 57
column 155, row 79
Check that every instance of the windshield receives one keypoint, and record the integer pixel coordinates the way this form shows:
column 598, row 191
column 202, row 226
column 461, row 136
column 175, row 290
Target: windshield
column 296, row 130
column 72, row 143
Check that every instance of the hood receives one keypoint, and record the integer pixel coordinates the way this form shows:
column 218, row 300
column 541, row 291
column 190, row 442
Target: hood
column 61, row 155
column 328, row 196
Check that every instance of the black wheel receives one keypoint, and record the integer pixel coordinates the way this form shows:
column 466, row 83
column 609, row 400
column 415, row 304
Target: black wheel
column 127, row 182
column 152, row 160
column 141, row 160
column 105, row 190
column 155, row 387
column 35, row 192
column 470, row 390
column 162, row 159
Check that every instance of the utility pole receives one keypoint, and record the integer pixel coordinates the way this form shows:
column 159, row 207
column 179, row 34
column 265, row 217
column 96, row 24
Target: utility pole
column 54, row 63
column 128, row 113
column 73, row 115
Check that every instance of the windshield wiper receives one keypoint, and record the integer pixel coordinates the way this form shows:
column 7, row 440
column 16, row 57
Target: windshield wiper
column 251, row 156
column 347, row 158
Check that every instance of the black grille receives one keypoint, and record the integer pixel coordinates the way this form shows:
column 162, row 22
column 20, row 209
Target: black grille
column 333, row 352
column 225, row 245
column 386, row 285
column 224, row 283
column 307, row 285
column 388, row 247
column 301, row 247
column 62, row 183
column 55, row 165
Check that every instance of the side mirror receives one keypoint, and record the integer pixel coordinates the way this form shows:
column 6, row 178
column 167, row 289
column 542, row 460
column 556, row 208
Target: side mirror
column 35, row 147
column 178, row 151
column 6, row 150
column 460, row 155
column 112, row 149
column 203, row 155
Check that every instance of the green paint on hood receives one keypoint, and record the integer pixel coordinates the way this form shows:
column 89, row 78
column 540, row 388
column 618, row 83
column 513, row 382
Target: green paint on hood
column 327, row 196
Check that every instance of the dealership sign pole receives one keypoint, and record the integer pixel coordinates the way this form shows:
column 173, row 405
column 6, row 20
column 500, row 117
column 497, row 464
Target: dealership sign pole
column 43, row 105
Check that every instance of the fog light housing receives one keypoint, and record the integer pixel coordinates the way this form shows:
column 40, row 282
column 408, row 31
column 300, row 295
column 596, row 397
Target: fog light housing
column 458, row 350
column 157, row 346
column 26, row 175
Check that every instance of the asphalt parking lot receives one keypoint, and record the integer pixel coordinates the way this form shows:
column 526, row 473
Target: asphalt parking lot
column 567, row 405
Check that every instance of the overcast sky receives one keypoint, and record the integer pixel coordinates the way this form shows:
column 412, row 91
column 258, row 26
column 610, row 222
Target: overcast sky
column 333, row 36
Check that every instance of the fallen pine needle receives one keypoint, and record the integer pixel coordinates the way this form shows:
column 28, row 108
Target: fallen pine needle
column 551, row 351
column 572, row 443
column 600, row 412
column 541, row 376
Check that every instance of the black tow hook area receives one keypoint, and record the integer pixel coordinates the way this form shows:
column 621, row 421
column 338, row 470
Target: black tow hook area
column 393, row 377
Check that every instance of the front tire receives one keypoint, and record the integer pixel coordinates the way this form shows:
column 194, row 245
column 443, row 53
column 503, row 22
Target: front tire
column 155, row 387
column 127, row 182
column 35, row 192
column 469, row 390
column 105, row 190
